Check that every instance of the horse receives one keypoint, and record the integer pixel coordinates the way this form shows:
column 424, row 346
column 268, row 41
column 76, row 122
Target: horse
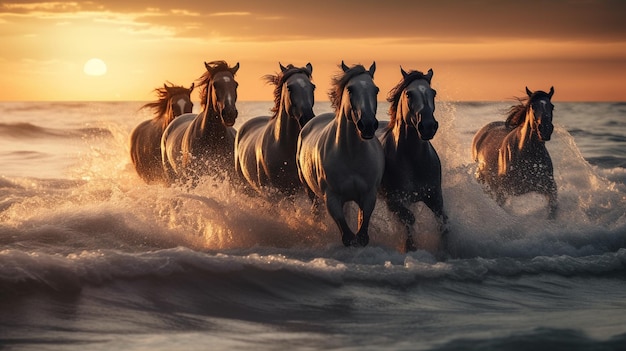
column 145, row 139
column 265, row 147
column 412, row 166
column 511, row 155
column 339, row 159
column 199, row 144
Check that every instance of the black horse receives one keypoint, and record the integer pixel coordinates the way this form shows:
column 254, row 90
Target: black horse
column 512, row 156
column 412, row 166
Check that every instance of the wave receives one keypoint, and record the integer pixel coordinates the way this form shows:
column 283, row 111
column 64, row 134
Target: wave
column 537, row 339
column 23, row 130
column 22, row 271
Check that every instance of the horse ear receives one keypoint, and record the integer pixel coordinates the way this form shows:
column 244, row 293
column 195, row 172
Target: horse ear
column 404, row 74
column 282, row 68
column 191, row 87
column 344, row 67
column 528, row 92
column 430, row 73
column 309, row 67
column 206, row 65
column 372, row 69
column 234, row 69
column 551, row 92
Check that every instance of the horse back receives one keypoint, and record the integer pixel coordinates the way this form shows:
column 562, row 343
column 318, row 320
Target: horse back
column 171, row 140
column 309, row 151
column 145, row 150
column 489, row 136
column 140, row 140
column 246, row 140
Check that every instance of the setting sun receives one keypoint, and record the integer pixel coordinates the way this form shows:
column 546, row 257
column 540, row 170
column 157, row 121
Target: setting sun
column 95, row 67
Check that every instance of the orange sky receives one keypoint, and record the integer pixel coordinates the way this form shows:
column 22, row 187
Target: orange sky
column 478, row 49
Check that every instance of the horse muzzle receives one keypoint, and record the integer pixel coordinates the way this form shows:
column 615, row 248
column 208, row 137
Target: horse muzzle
column 367, row 130
column 427, row 131
column 545, row 131
column 229, row 116
column 305, row 118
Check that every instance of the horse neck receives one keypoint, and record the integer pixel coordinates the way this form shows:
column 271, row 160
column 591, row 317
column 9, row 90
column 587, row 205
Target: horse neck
column 208, row 123
column 284, row 124
column 168, row 117
column 346, row 134
column 405, row 133
column 527, row 134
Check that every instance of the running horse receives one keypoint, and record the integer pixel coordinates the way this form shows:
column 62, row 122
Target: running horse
column 512, row 156
column 265, row 147
column 196, row 145
column 412, row 166
column 339, row 158
column 145, row 139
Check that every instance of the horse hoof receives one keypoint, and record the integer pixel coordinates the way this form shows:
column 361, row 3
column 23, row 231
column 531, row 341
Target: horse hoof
column 409, row 246
column 362, row 240
column 348, row 240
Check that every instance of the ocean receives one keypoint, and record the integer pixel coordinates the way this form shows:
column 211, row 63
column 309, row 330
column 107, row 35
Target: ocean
column 92, row 258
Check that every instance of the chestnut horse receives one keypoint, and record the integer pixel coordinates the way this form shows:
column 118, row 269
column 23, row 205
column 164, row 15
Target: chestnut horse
column 512, row 156
column 265, row 147
column 145, row 139
column 196, row 145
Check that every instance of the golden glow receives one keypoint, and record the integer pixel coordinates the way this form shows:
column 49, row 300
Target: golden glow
column 49, row 42
column 95, row 67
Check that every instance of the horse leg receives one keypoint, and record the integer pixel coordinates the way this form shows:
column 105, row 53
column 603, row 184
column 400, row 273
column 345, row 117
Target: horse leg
column 365, row 213
column 435, row 203
column 407, row 218
column 335, row 209
column 552, row 205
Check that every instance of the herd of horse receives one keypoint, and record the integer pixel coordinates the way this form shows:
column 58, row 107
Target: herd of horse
column 342, row 156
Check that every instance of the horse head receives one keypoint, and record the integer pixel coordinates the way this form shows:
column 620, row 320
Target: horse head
column 359, row 99
column 297, row 92
column 540, row 112
column 417, row 103
column 179, row 101
column 222, row 91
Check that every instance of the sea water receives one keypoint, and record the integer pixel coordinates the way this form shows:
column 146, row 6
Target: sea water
column 93, row 258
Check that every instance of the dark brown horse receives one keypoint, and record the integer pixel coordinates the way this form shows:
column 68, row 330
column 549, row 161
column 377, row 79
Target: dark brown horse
column 512, row 156
column 339, row 158
column 145, row 139
column 196, row 145
column 412, row 166
column 265, row 147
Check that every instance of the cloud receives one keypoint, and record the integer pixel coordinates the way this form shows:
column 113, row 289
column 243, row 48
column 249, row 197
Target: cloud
column 443, row 20
column 222, row 14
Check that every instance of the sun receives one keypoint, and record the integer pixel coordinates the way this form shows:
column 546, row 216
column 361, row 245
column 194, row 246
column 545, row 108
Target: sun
column 95, row 67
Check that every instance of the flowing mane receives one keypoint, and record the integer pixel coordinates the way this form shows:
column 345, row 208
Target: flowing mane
column 205, row 79
column 164, row 94
column 339, row 82
column 516, row 115
column 396, row 92
column 279, row 79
